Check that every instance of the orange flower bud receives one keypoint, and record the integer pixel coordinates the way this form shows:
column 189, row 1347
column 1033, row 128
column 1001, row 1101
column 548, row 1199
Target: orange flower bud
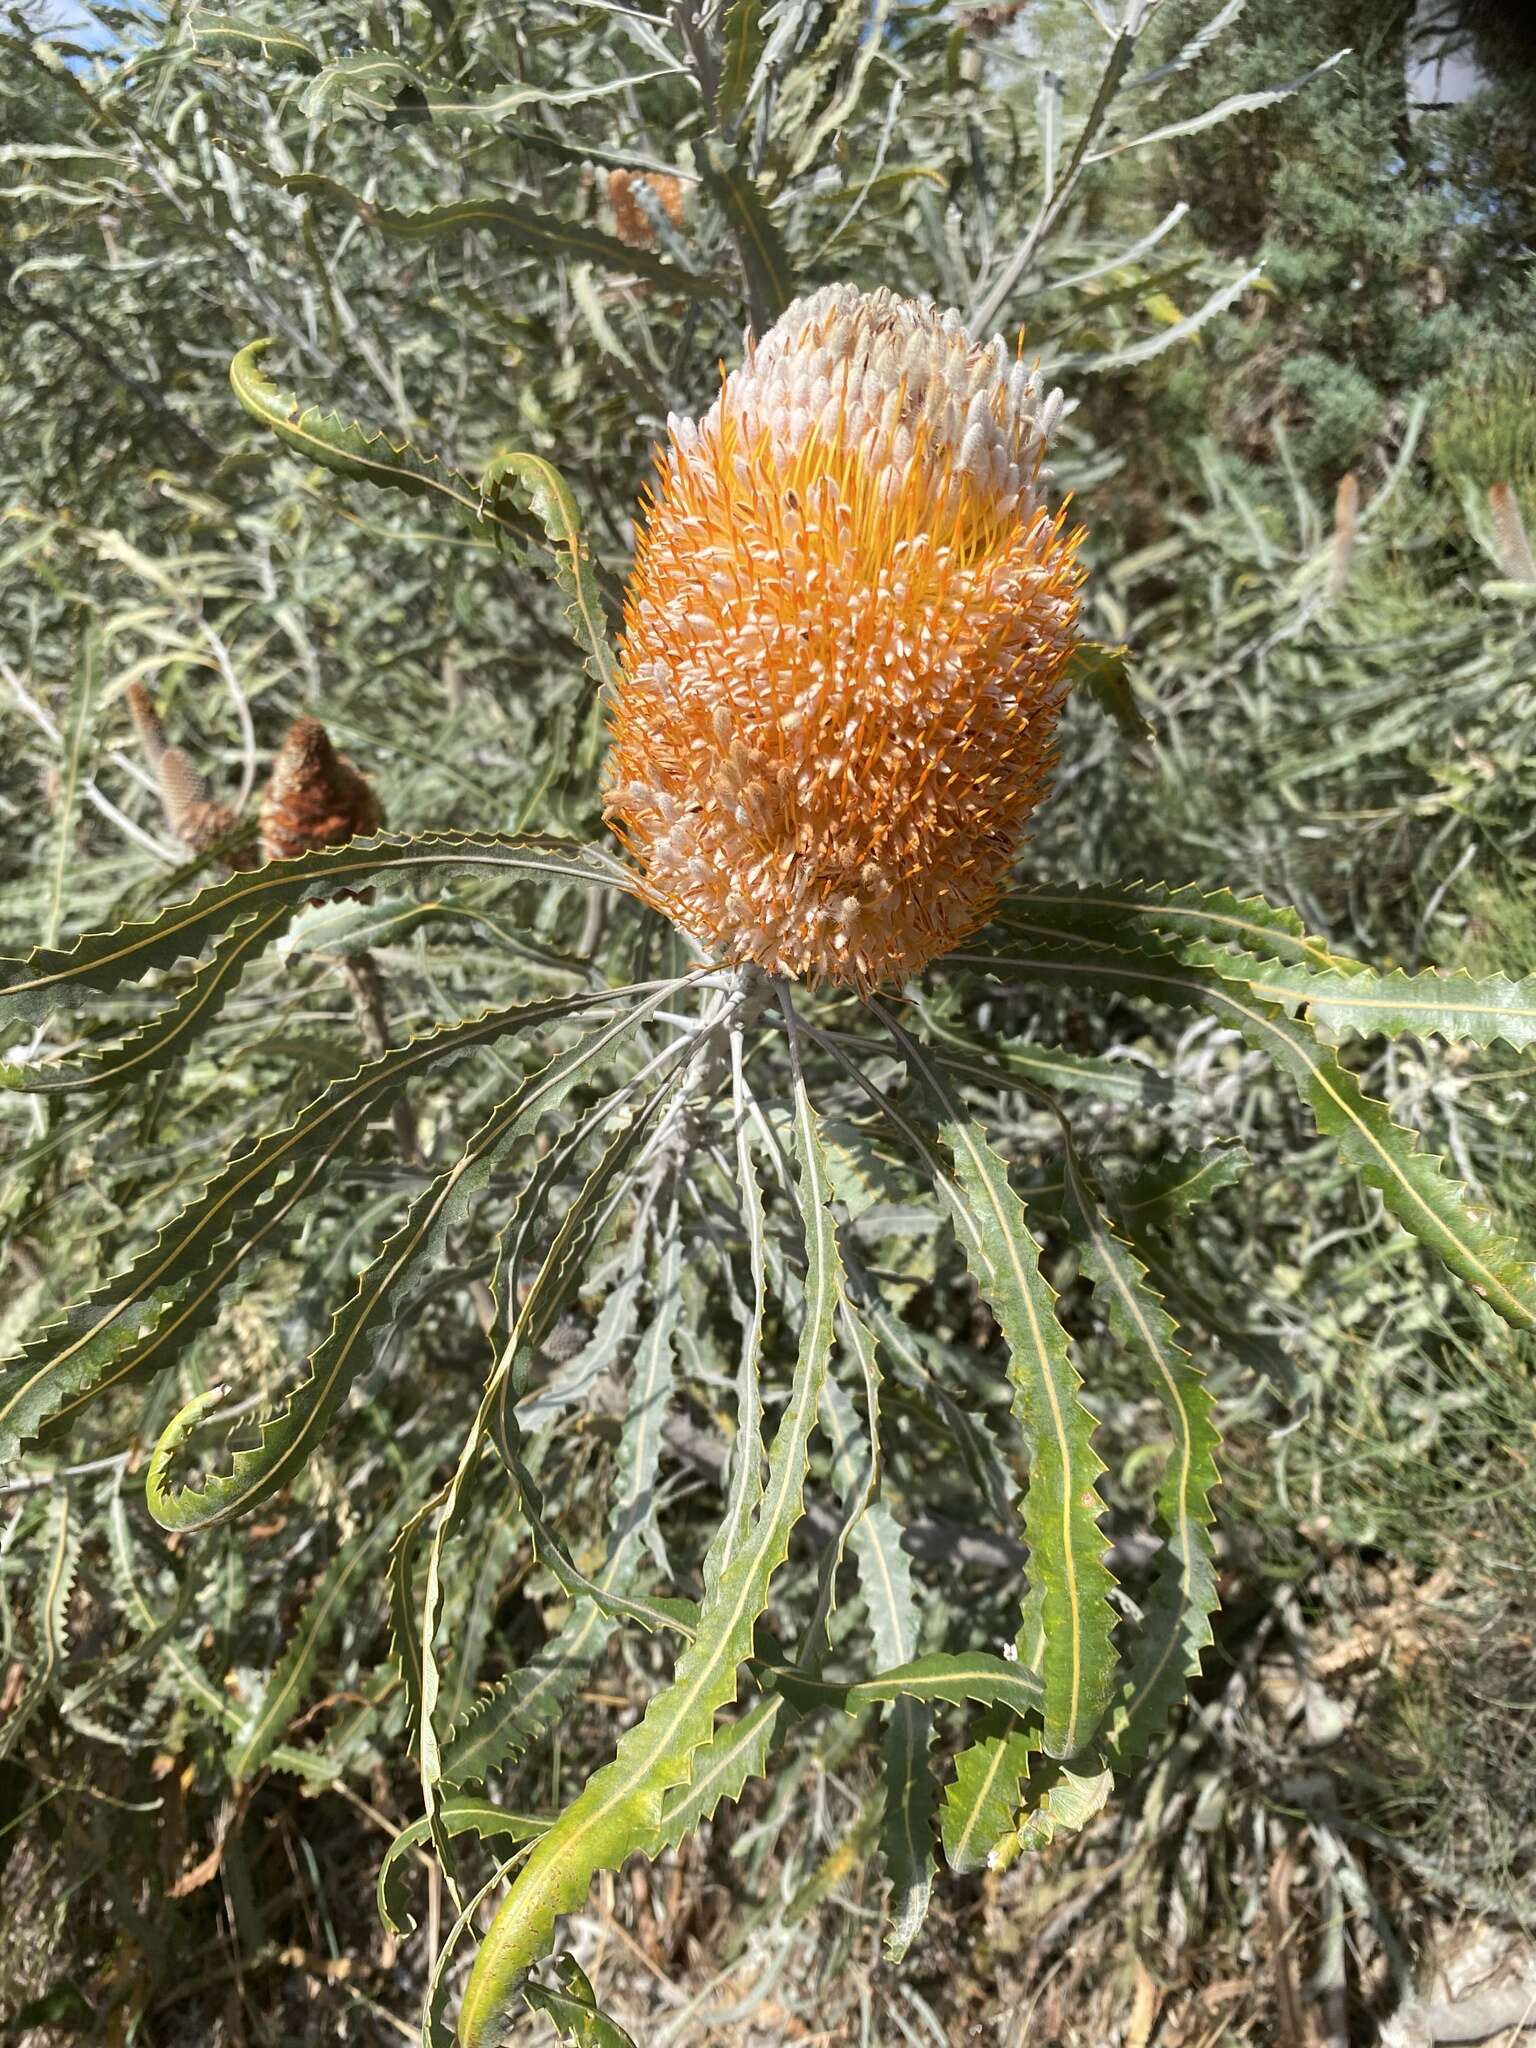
column 845, row 643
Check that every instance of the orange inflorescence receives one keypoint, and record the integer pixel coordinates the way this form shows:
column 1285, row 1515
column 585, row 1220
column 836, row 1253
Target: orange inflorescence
column 316, row 797
column 629, row 215
column 845, row 643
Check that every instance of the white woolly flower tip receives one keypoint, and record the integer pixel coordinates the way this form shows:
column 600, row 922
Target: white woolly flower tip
column 845, row 644
column 903, row 384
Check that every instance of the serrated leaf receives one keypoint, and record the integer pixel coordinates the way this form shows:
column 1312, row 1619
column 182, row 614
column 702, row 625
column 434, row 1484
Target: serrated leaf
column 1068, row 1804
column 720, row 1768
column 572, row 2010
column 367, row 455
column 1171, row 1186
column 527, row 1702
column 70, row 771
column 1103, row 673
column 1456, row 1006
column 1061, row 1504
column 741, row 46
column 1123, row 915
column 553, row 506
column 906, row 1826
column 885, row 1576
column 745, row 1487
column 1176, row 1625
column 1223, row 110
column 210, row 31
column 166, row 1036
column 973, row 1675
column 288, row 1437
column 323, row 1612
column 50, row 1613
column 981, row 1801
column 31, row 988
column 1426, row 1201
column 457, row 1816
column 997, row 1067
column 137, row 1321
column 620, row 1808
column 373, row 78
column 765, row 261
column 545, row 233
column 190, row 1684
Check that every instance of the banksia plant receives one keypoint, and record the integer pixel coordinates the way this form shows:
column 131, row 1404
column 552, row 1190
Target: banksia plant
column 845, row 645
column 314, row 796
column 850, row 627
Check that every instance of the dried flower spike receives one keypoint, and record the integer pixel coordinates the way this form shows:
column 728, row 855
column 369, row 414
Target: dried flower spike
column 315, row 797
column 198, row 821
column 845, row 643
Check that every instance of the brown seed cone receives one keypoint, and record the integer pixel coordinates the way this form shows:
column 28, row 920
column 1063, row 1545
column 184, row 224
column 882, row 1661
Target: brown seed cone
column 316, row 797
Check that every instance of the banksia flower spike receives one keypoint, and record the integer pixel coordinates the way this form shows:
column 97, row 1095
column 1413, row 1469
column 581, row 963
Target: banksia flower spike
column 315, row 797
column 845, row 644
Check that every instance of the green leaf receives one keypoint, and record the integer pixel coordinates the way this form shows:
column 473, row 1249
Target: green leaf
column 545, row 233
column 140, row 1319
column 1125, row 914
column 367, row 456
column 226, row 32
column 998, row 1067
column 552, row 505
column 1166, row 1189
column 975, row 1675
column 31, row 988
column 50, row 1613
column 906, row 1827
column 745, row 1488
column 640, row 1449
column 166, row 1037
column 620, row 1808
column 1061, row 1504
column 741, row 41
column 1426, row 1201
column 1176, row 1625
column 457, row 1817
column 719, row 1769
column 982, row 1799
column 885, row 1576
column 765, row 261
column 289, row 1436
column 1067, row 1805
column 1103, row 673
column 524, row 1704
column 323, row 1612
column 1454, row 1006
column 573, row 2009
column 371, row 78
column 185, row 1677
